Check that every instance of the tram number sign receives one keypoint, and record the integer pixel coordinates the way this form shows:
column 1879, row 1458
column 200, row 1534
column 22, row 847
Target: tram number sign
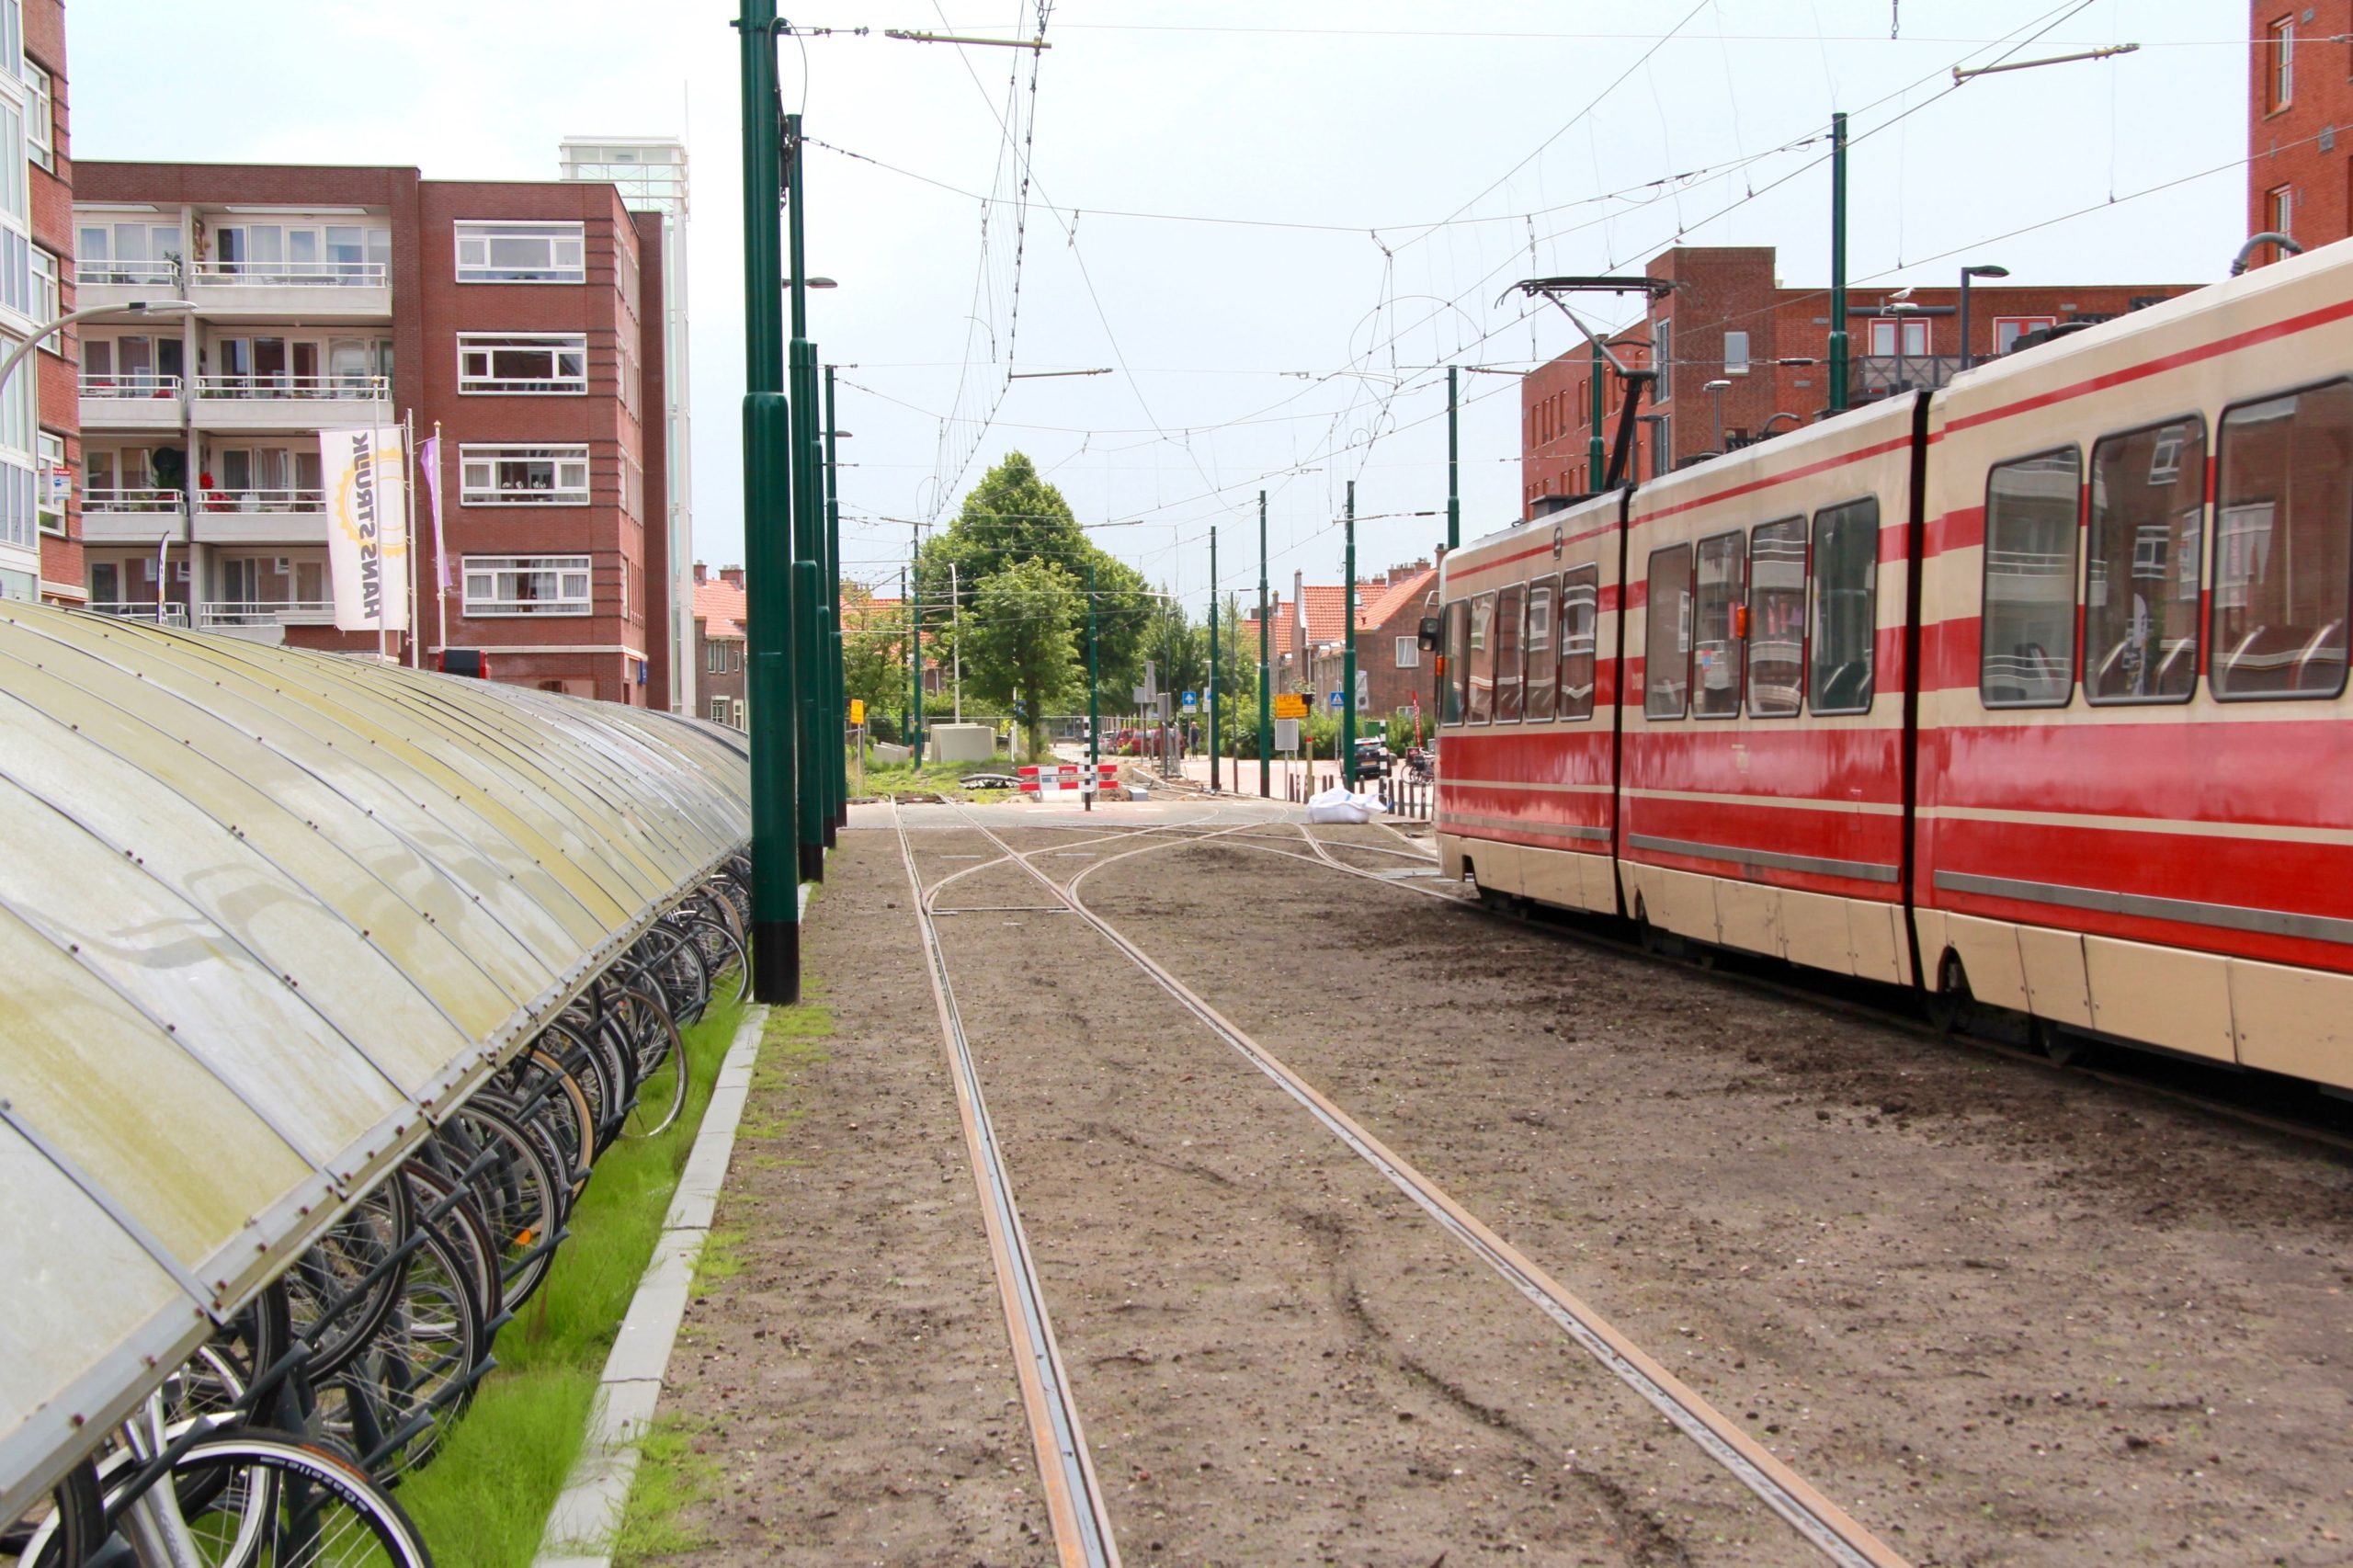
column 1291, row 705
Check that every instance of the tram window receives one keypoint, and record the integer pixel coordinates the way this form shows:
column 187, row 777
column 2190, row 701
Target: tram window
column 1579, row 616
column 1667, row 636
column 1776, row 619
column 1843, row 619
column 1510, row 605
column 1535, row 705
column 1716, row 646
column 2281, row 574
column 2143, row 552
column 2027, row 642
column 1458, row 660
column 1483, row 659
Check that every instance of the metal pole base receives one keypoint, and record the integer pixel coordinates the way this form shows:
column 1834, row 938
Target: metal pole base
column 812, row 863
column 776, row 962
column 833, row 825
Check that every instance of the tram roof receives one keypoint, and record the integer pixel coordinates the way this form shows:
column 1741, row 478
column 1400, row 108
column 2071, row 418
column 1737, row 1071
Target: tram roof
column 264, row 913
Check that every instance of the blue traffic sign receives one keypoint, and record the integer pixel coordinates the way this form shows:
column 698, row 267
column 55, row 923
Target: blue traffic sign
column 1192, row 701
column 1339, row 701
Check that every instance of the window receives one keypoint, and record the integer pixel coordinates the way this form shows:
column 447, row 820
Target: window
column 1718, row 609
column 40, row 118
column 2281, row 202
column 2282, row 583
column 1409, row 653
column 2008, row 330
column 1736, row 353
column 1543, row 675
column 1580, row 605
column 719, row 711
column 1456, row 657
column 45, row 299
column 1843, row 616
column 2027, row 643
column 127, row 253
column 712, row 656
column 1481, row 707
column 526, row 584
column 56, row 483
column 1894, row 335
column 1663, row 360
column 2143, row 553
column 2279, row 61
column 523, row 476
column 1776, row 619
column 525, row 362
column 349, row 255
column 1667, row 638
column 1511, row 603
column 521, row 252
column 12, row 38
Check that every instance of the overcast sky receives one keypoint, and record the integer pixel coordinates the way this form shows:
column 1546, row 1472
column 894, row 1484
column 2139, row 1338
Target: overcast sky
column 1337, row 190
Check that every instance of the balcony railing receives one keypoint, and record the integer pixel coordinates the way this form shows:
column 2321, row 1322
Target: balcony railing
column 220, row 500
column 166, row 272
column 134, row 384
column 119, row 498
column 1881, row 375
column 295, row 388
column 266, row 612
column 292, row 274
column 136, row 609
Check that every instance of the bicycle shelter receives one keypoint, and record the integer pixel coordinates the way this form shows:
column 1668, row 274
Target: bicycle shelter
column 265, row 915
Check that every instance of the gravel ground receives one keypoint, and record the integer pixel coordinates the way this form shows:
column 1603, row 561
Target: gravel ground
column 2002, row 1315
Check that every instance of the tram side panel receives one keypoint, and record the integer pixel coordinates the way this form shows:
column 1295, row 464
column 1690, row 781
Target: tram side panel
column 2135, row 735
column 1525, row 784
column 1761, row 795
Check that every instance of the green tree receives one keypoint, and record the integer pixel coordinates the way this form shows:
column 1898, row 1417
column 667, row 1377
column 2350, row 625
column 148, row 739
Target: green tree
column 1018, row 642
column 874, row 653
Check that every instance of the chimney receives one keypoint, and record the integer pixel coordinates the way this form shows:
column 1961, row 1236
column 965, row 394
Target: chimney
column 702, row 571
column 732, row 576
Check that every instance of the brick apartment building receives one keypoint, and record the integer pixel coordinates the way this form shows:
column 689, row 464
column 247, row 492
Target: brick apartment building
column 523, row 319
column 2300, row 114
column 1729, row 321
column 1392, row 673
column 721, row 610
column 39, row 445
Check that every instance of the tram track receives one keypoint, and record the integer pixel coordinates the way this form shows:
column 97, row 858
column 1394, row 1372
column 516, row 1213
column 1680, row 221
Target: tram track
column 1820, row 1522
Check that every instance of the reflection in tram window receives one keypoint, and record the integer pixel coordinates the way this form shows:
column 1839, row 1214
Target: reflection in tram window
column 1846, row 606
column 2281, row 571
column 2027, row 648
column 1458, row 660
column 1536, row 705
column 1776, row 619
column 2147, row 533
column 1580, row 615
column 1667, row 647
column 1483, row 659
column 1716, row 653
column 1509, row 607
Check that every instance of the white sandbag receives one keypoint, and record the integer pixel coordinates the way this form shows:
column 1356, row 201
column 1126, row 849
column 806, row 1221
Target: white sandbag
column 1336, row 804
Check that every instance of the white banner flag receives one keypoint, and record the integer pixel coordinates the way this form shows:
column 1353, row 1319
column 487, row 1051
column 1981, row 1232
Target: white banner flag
column 367, row 528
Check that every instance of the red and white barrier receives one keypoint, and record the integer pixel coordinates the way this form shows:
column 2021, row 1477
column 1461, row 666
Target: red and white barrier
column 1045, row 781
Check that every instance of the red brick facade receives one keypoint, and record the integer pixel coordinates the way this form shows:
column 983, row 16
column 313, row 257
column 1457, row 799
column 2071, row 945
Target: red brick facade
column 720, row 610
column 2300, row 114
column 1393, row 669
column 52, row 215
column 1908, row 337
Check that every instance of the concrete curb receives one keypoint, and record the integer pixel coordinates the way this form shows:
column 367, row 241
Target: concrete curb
column 587, row 1513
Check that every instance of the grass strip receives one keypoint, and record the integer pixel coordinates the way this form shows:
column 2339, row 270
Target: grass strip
column 483, row 1502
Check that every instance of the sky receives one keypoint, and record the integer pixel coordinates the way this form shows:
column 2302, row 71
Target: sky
column 1273, row 221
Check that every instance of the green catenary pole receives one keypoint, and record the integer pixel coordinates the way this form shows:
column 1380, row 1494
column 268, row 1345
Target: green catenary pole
column 1266, row 696
column 914, row 644
column 837, row 683
column 813, row 807
column 767, row 530
column 1213, row 702
column 1453, row 459
column 1094, row 704
column 1348, row 663
column 1596, row 451
column 1837, row 262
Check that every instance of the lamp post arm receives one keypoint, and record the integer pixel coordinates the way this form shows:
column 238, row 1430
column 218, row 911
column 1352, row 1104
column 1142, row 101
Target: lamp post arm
column 48, row 329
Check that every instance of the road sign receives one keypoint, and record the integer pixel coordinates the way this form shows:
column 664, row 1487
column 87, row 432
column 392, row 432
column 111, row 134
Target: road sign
column 1291, row 705
column 1338, row 699
column 857, row 710
column 1287, row 735
column 1192, row 702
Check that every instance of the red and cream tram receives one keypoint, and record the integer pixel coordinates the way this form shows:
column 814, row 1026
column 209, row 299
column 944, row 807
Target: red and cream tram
column 2033, row 687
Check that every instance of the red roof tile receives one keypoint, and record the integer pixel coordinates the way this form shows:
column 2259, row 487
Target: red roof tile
column 720, row 606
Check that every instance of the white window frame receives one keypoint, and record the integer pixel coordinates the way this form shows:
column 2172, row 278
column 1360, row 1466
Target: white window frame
column 479, row 235
column 482, row 483
column 1409, row 653
column 50, row 495
column 719, row 711
column 2024, row 324
column 479, row 372
column 490, row 582
column 40, row 118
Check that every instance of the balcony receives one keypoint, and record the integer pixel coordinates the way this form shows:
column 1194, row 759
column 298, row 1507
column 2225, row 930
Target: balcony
column 139, row 609
column 134, row 402
column 298, row 402
column 115, row 285
column 309, row 291
column 129, row 517
column 264, row 620
column 261, row 517
column 1870, row 377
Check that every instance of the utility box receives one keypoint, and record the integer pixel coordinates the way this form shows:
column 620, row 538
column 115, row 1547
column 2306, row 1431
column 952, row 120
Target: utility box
column 962, row 743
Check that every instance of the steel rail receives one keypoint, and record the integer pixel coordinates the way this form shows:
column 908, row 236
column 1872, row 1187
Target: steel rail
column 1821, row 1523
column 1075, row 1503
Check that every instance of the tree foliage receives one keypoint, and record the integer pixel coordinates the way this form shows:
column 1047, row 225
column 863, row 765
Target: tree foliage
column 1019, row 646
column 874, row 655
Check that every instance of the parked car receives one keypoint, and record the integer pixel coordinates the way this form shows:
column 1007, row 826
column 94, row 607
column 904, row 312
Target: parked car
column 1373, row 756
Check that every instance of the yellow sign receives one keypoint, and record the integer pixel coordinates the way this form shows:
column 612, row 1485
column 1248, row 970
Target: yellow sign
column 857, row 710
column 1291, row 705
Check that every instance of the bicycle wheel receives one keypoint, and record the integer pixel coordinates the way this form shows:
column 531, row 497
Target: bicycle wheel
column 63, row 1528
column 275, row 1501
column 330, row 1310
column 520, row 1197
column 661, row 1068
column 392, row 1402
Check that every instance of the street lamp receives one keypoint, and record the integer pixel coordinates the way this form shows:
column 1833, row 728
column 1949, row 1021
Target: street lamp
column 1716, row 390
column 812, row 282
column 1988, row 270
column 1658, row 458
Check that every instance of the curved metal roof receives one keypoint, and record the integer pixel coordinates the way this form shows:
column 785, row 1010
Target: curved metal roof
column 262, row 913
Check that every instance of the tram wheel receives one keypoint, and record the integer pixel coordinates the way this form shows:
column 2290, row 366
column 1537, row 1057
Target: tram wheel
column 1950, row 1001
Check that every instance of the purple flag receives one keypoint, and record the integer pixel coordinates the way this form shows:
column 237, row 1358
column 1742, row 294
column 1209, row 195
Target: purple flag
column 430, row 451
